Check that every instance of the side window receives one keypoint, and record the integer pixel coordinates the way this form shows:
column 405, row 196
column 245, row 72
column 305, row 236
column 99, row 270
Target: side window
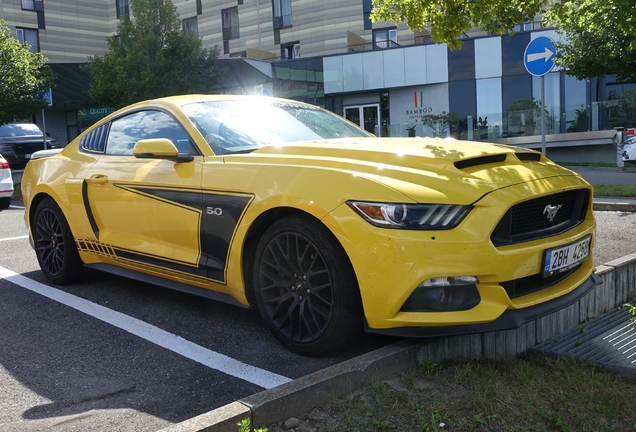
column 126, row 131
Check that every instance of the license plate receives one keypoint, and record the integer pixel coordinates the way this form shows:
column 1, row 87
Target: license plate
column 27, row 156
column 563, row 258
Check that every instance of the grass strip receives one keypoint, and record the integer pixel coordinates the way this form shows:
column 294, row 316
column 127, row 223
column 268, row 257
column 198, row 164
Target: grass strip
column 623, row 190
column 530, row 393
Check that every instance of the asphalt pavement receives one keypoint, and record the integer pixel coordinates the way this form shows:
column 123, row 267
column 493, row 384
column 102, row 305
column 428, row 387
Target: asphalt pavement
column 607, row 175
column 311, row 390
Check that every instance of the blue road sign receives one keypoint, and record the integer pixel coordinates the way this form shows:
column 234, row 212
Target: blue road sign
column 539, row 56
column 48, row 96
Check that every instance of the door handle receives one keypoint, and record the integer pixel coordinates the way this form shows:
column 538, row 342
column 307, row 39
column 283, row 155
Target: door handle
column 99, row 179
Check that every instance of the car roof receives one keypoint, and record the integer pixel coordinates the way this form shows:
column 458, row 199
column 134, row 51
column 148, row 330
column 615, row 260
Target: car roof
column 19, row 129
column 198, row 98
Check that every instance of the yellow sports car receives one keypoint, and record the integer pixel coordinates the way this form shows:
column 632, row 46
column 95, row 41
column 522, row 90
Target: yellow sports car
column 327, row 229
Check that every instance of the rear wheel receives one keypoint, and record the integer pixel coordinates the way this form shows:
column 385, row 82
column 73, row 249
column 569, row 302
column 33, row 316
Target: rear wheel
column 305, row 287
column 5, row 202
column 54, row 244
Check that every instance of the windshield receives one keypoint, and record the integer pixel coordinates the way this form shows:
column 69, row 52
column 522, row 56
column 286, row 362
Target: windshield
column 241, row 126
column 22, row 129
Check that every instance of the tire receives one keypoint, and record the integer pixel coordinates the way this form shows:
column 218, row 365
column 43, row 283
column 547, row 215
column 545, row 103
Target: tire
column 54, row 245
column 5, row 202
column 305, row 288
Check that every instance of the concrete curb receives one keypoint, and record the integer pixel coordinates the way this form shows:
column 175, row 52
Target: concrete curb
column 620, row 206
column 301, row 395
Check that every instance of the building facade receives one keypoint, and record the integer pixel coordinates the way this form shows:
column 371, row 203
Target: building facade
column 386, row 78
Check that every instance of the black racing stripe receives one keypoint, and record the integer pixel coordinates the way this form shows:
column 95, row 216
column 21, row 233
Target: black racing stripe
column 87, row 207
column 160, row 262
column 187, row 197
column 220, row 216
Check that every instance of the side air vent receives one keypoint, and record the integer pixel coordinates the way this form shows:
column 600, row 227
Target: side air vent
column 482, row 160
column 533, row 157
column 95, row 140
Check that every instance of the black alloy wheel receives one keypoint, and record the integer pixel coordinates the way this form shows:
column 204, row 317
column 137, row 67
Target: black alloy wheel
column 305, row 287
column 54, row 245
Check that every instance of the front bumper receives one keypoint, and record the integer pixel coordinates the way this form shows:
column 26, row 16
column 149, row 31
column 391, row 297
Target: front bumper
column 390, row 264
column 509, row 320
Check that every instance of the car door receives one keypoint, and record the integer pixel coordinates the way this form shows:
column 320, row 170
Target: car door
column 146, row 212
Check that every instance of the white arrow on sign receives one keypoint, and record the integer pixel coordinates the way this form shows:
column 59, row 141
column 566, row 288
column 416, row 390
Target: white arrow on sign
column 545, row 55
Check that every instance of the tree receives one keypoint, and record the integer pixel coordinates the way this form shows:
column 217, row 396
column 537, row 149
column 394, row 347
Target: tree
column 599, row 38
column 449, row 19
column 24, row 78
column 441, row 123
column 598, row 35
column 150, row 57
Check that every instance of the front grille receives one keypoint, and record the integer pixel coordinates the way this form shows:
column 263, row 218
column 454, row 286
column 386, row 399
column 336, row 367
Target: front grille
column 530, row 220
column 28, row 148
column 520, row 287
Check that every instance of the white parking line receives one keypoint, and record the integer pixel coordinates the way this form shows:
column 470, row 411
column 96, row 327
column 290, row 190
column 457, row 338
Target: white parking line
column 16, row 207
column 14, row 238
column 151, row 333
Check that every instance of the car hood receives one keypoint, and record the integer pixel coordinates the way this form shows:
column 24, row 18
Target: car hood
column 425, row 168
column 22, row 139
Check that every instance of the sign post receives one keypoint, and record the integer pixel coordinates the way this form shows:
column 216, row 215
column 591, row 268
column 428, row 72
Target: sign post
column 538, row 59
column 48, row 96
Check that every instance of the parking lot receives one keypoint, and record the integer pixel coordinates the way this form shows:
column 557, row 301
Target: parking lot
column 112, row 354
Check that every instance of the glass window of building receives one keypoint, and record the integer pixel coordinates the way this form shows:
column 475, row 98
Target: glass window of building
column 282, row 13
column 577, row 114
column 489, row 108
column 385, row 38
column 367, row 8
column 230, row 20
column 524, row 27
column 290, row 51
column 552, row 101
column 29, row 36
column 31, row 5
column 190, row 26
column 122, row 7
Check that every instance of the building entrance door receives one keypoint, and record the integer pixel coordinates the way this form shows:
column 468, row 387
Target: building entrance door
column 365, row 116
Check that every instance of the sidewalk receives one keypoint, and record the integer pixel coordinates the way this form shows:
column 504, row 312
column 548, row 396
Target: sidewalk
column 614, row 204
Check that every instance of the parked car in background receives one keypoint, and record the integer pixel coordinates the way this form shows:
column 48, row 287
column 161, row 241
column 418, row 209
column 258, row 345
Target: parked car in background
column 6, row 184
column 629, row 150
column 18, row 141
column 325, row 228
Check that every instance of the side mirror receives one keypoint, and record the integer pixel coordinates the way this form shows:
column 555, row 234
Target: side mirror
column 159, row 148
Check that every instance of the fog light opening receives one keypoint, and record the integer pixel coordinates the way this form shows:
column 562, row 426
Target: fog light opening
column 444, row 294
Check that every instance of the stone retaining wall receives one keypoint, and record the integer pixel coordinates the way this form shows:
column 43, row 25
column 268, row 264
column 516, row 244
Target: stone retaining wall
column 618, row 287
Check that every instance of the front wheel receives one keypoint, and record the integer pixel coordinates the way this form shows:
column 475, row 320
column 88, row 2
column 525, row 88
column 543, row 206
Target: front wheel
column 305, row 287
column 54, row 244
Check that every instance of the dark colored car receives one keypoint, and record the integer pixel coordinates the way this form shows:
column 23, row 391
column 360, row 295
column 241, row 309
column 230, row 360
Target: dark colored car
column 18, row 141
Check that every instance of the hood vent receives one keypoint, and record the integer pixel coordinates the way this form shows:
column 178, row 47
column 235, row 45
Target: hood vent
column 533, row 157
column 482, row 160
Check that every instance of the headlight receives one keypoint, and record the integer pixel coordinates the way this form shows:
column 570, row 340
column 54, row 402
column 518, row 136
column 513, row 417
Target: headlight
column 53, row 143
column 411, row 216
